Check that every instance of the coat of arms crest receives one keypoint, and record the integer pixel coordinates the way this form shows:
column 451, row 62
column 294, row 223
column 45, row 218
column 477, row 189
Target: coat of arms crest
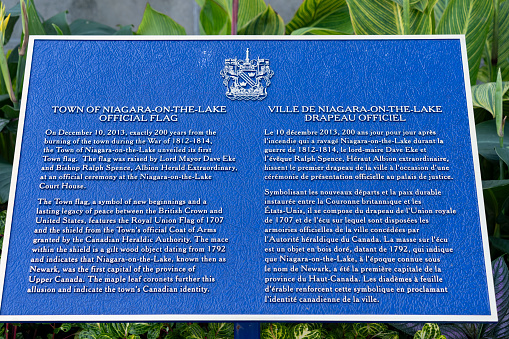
column 246, row 79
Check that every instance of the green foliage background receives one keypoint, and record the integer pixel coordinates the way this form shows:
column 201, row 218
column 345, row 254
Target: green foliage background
column 485, row 24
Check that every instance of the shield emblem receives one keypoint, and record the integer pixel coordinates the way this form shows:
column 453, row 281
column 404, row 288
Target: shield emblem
column 246, row 79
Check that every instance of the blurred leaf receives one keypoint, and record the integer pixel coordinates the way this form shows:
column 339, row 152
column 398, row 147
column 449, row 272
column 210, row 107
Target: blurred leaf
column 429, row 331
column 341, row 331
column 302, row 331
column 95, row 327
column 87, row 334
column 154, row 331
column 440, row 8
column 487, row 72
column 181, row 328
column 420, row 5
column 481, row 115
column 472, row 18
column 125, row 30
column 10, row 113
column 214, row 19
column 156, row 23
column 501, row 280
column 327, row 14
column 194, row 331
column 59, row 20
column 376, row 17
column 57, row 29
column 488, row 140
column 375, row 330
column 503, row 153
column 12, row 63
column 484, row 74
column 495, row 184
column 503, row 217
column 501, row 244
column 7, row 110
column 139, row 328
column 220, row 331
column 3, row 217
column 109, row 330
column 454, row 331
column 8, row 142
column 65, row 327
column 385, row 17
column 267, row 23
column 389, row 335
column 461, row 331
column 15, row 13
column 275, row 331
column 4, row 98
column 316, row 31
column 113, row 330
column 5, row 181
column 495, row 192
column 503, row 39
column 20, row 73
column 315, row 326
column 87, row 27
column 12, row 126
column 35, row 26
column 484, row 95
column 248, row 11
column 499, row 114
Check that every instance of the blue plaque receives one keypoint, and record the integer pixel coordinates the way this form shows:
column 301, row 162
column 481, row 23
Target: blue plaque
column 281, row 179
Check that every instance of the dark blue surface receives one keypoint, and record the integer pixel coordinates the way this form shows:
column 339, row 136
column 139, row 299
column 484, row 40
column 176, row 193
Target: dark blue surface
column 169, row 73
